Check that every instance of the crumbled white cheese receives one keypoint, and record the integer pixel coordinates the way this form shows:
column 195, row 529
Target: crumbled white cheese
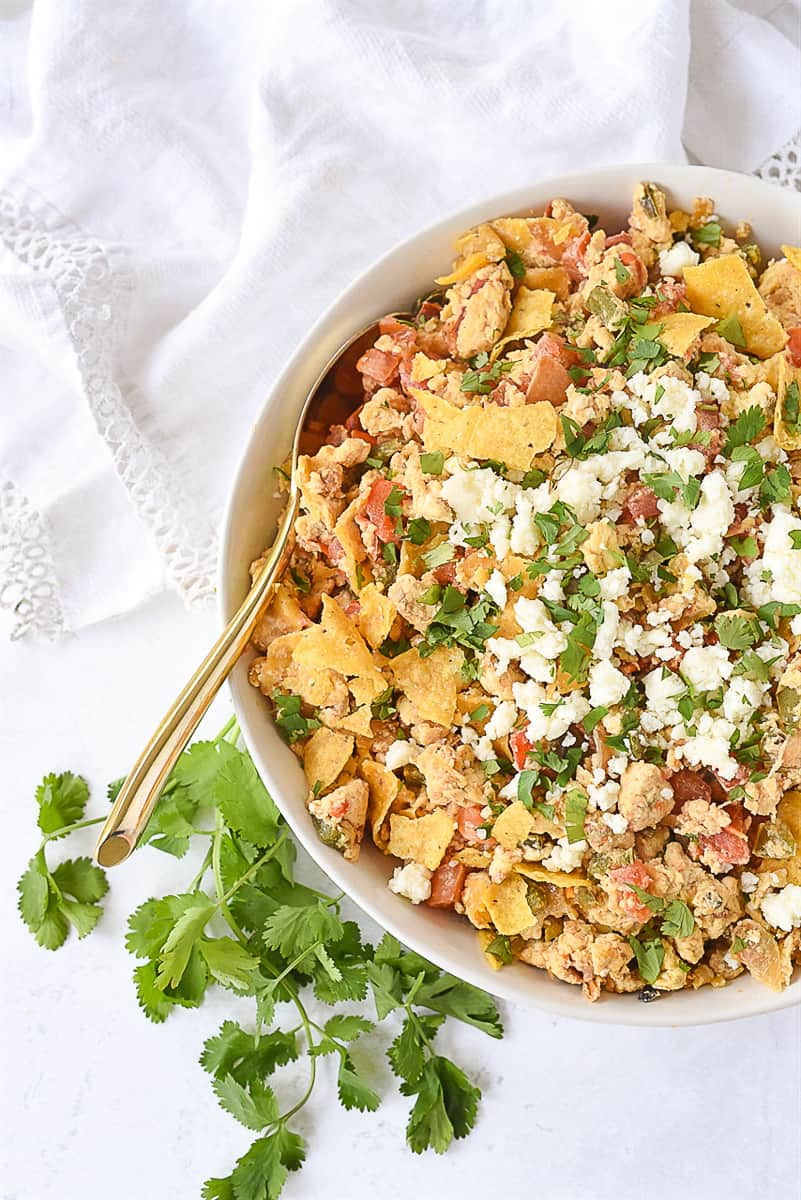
column 608, row 686
column 412, row 881
column 662, row 689
column 399, row 754
column 495, row 588
column 615, row 821
column 749, row 882
column 477, row 496
column 534, row 618
column 700, row 533
column 777, row 574
column 742, row 698
column 617, row 764
column 549, row 726
column 677, row 403
column 603, row 795
column 710, row 745
column 501, row 721
column 706, row 668
column 607, row 631
column 615, row 583
column 678, row 256
column 782, row 909
column 565, row 856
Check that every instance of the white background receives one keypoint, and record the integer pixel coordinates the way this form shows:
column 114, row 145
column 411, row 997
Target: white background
column 97, row 1103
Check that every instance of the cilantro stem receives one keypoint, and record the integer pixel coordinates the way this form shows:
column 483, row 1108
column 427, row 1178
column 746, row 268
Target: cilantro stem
column 304, row 1016
column 65, row 829
column 226, row 729
column 204, row 866
column 253, row 868
column 216, row 866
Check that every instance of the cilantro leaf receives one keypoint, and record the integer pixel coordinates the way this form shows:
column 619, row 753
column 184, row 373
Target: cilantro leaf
column 293, row 930
column 575, row 812
column 407, row 1054
column 152, row 1000
column 229, row 963
column 243, row 799
column 737, row 631
column 454, row 998
column 678, row 920
column 182, row 939
column 650, row 954
column 731, row 329
column 253, row 1106
column 352, row 1090
column 745, row 429
column 445, row 1107
column 261, row 1173
column 347, row 1028
column 62, row 800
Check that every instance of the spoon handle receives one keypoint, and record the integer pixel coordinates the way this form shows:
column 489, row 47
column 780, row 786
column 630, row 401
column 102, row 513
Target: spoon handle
column 140, row 792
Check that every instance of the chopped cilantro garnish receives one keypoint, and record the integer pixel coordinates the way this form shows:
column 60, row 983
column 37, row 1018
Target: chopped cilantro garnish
column 418, row 531
column 731, row 329
column 301, row 582
column 383, row 707
column 480, row 713
column 593, row 717
column 482, row 382
column 575, row 812
column 456, row 624
column 441, row 554
column 745, row 429
column 515, row 264
column 737, row 631
column 290, row 720
column 650, row 954
column 791, row 408
column 622, row 274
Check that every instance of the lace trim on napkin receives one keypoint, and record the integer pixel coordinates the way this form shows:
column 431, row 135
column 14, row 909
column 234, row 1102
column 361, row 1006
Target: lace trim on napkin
column 784, row 167
column 28, row 585
column 93, row 284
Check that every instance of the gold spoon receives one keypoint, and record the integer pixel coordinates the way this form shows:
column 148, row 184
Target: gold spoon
column 336, row 394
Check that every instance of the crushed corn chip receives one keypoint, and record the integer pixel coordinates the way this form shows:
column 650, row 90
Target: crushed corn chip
column 376, row 614
column 508, row 906
column 324, row 756
column 531, row 314
column 473, row 262
column 335, row 643
column 793, row 256
column 513, row 825
column 721, row 287
column 421, row 839
column 430, row 683
column 559, row 879
column 512, row 435
column 384, row 787
column 680, row 330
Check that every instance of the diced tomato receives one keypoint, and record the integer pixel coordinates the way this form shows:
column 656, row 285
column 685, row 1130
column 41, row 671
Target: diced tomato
column 638, row 271
column 640, row 501
column 446, row 884
column 618, row 240
column 549, row 381
column 574, row 257
column 520, row 747
column 727, row 846
column 794, row 345
column 404, row 335
column 446, row 573
column 689, row 785
column 363, row 436
column 378, row 366
column 383, row 521
column 708, row 421
column 468, row 819
column 429, row 309
column 623, row 896
column 555, row 347
column 674, row 291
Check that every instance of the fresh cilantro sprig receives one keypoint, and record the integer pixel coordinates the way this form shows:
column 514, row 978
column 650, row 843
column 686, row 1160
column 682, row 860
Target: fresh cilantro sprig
column 246, row 924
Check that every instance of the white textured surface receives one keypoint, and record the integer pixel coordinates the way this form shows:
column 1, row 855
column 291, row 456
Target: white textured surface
column 95, row 1102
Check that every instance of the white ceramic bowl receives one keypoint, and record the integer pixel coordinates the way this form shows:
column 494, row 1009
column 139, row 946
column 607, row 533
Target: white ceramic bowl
column 392, row 284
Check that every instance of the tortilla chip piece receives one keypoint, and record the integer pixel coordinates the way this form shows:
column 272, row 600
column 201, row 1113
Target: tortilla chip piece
column 424, row 368
column 559, row 879
column 789, row 811
column 531, row 314
column 347, row 532
column 324, row 756
column 510, row 435
column 376, row 615
column 335, row 643
column 513, row 825
column 476, row 859
column 384, row 787
column 359, row 721
column 473, row 262
column 555, row 279
column 421, row 839
column 793, row 256
column 515, row 232
column 722, row 287
column 680, row 330
column 279, row 668
column 787, row 417
column 508, row 906
column 430, row 683
column 482, row 239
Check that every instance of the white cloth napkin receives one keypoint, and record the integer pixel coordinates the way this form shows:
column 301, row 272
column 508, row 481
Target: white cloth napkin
column 184, row 187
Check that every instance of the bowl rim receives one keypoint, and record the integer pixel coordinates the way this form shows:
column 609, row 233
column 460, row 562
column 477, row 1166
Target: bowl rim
column 755, row 1000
